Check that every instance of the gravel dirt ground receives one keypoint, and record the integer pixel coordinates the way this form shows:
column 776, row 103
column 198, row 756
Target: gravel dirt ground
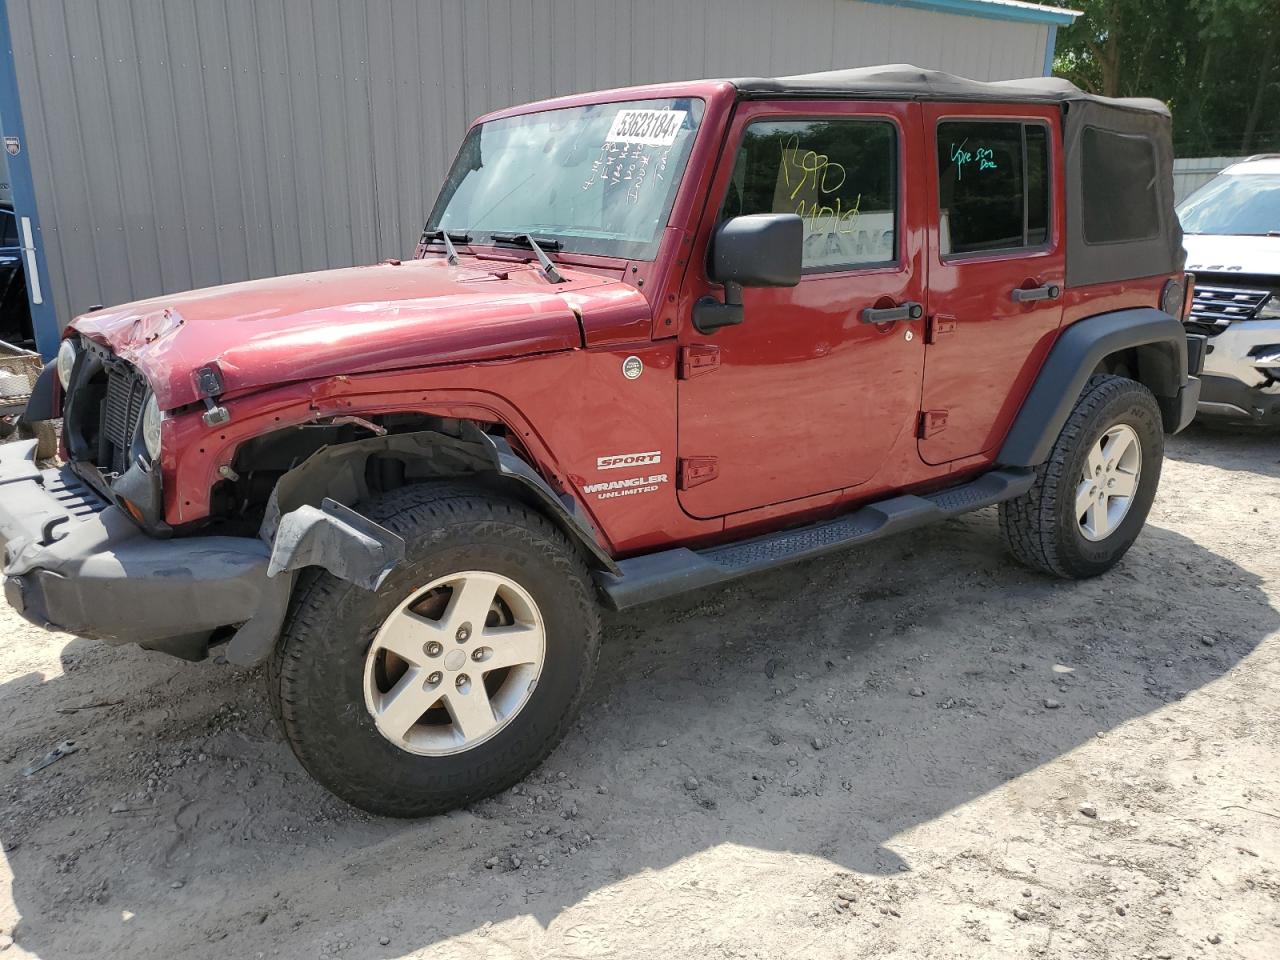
column 917, row 749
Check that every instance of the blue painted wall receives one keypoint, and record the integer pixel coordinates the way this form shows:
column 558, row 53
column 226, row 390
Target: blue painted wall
column 24, row 197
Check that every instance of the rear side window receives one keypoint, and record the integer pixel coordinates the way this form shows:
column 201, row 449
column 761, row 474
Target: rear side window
column 840, row 176
column 993, row 182
column 8, row 229
column 1121, row 200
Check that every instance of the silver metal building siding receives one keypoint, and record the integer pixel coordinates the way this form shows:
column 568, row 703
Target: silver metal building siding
column 1192, row 173
column 182, row 143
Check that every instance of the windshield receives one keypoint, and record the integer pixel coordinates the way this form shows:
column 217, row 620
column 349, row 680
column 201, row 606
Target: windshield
column 599, row 179
column 1245, row 204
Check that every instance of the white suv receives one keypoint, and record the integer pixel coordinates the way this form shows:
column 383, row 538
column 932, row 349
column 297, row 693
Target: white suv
column 1231, row 231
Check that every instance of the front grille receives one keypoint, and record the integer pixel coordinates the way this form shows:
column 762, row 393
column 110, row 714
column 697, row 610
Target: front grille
column 1214, row 308
column 120, row 412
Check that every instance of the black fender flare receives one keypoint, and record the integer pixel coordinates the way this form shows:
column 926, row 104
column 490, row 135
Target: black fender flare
column 1161, row 343
column 332, row 536
column 40, row 403
column 306, row 524
column 563, row 509
column 335, row 472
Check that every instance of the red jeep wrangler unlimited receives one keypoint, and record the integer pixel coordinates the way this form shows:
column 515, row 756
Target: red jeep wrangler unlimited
column 653, row 339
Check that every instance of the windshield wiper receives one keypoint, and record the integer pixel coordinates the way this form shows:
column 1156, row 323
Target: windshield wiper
column 451, row 252
column 527, row 240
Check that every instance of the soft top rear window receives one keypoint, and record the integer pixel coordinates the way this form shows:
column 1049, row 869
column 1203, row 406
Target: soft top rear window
column 1121, row 201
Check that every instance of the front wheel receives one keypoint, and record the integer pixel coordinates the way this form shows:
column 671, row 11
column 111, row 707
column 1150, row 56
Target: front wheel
column 455, row 678
column 1091, row 498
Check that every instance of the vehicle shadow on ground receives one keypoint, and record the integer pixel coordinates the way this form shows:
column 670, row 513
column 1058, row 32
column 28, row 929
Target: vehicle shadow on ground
column 821, row 710
column 1255, row 449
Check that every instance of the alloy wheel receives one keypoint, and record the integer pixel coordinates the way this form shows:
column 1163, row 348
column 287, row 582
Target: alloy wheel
column 454, row 663
column 1109, row 482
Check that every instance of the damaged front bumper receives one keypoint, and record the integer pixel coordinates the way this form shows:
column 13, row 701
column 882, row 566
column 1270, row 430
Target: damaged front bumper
column 75, row 563
column 1242, row 373
column 72, row 562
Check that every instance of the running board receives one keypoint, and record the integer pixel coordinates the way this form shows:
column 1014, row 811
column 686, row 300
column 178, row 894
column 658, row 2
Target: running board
column 656, row 576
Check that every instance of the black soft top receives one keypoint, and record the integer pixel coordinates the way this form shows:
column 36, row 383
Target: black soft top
column 902, row 81
column 1118, row 158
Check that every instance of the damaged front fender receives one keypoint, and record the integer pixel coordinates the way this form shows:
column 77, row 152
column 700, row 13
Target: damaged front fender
column 333, row 537
column 354, row 548
column 347, row 544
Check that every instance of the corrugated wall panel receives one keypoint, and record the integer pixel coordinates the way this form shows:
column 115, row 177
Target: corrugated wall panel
column 1191, row 173
column 180, row 143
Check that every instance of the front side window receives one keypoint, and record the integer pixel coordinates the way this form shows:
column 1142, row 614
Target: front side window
column 598, row 179
column 993, row 185
column 840, row 176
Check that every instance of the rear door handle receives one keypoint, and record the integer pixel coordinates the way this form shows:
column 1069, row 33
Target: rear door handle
column 1050, row 291
column 903, row 311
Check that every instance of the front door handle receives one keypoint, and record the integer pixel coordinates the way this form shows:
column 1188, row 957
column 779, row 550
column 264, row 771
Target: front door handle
column 903, row 311
column 1050, row 291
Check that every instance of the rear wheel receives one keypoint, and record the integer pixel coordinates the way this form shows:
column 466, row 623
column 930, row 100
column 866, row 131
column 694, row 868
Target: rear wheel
column 458, row 676
column 1091, row 498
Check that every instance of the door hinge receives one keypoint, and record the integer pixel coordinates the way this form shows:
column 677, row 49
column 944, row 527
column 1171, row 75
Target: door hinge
column 932, row 422
column 697, row 359
column 691, row 471
column 940, row 324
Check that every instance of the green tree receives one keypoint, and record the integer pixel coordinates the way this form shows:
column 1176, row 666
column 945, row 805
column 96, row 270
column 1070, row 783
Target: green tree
column 1215, row 62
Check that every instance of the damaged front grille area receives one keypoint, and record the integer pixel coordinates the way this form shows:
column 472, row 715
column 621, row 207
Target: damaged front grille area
column 102, row 413
column 120, row 413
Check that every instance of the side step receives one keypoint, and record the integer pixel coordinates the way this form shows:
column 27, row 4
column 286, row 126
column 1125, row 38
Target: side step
column 655, row 576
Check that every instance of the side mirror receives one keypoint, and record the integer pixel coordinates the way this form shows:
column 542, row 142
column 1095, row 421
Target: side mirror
column 757, row 250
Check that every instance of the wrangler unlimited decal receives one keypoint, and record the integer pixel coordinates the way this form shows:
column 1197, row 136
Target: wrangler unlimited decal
column 608, row 489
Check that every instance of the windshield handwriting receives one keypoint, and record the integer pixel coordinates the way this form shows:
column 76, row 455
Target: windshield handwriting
column 631, row 163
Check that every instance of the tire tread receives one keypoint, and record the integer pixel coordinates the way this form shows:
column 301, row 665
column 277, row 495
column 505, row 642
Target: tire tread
column 1028, row 523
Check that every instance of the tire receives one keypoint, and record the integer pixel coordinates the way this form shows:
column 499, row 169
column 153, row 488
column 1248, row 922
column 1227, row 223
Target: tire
column 329, row 671
column 1041, row 527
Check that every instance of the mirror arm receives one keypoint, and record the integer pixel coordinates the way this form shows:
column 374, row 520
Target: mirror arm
column 709, row 314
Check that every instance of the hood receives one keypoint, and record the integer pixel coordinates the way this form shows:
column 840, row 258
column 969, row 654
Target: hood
column 355, row 320
column 1215, row 253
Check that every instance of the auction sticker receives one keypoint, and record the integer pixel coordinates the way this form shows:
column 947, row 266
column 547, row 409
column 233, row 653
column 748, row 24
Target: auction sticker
column 655, row 127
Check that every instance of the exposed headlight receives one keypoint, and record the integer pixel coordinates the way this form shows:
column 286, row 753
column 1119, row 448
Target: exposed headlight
column 151, row 418
column 66, row 361
column 1270, row 309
